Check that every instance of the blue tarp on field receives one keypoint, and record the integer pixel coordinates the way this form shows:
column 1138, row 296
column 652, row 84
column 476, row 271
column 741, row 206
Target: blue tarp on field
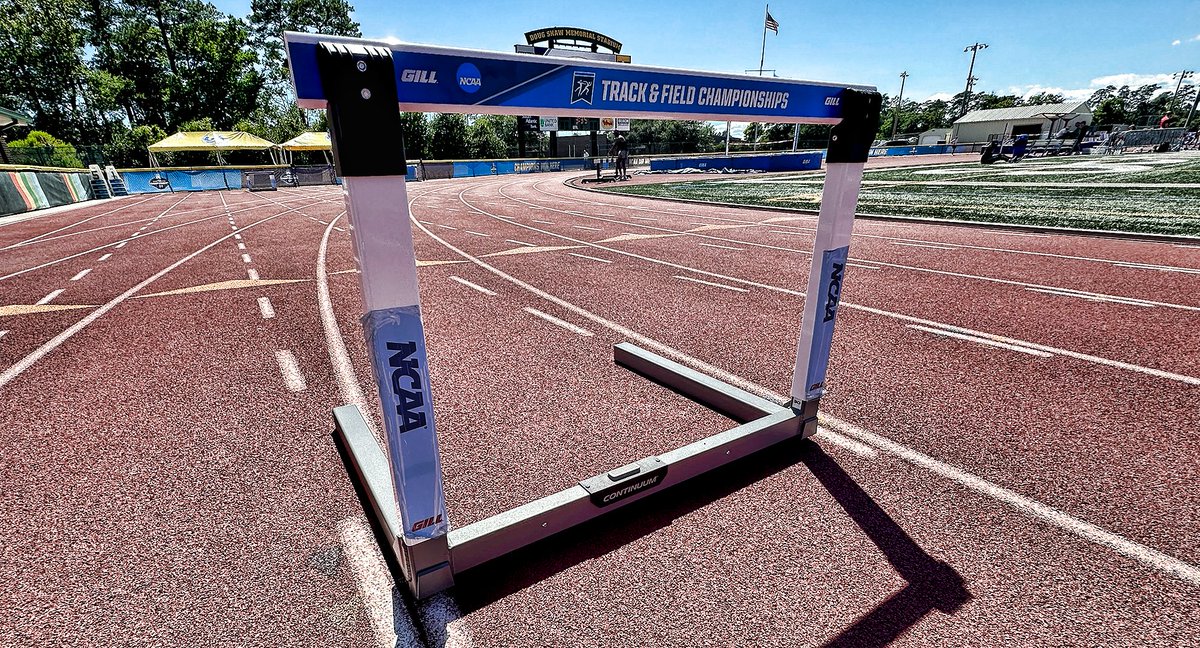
column 192, row 180
column 767, row 162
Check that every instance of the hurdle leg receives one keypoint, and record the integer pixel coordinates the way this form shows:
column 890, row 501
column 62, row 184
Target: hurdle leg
column 849, row 145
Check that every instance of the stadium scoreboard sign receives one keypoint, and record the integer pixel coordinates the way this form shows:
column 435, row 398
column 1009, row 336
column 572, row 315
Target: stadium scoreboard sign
column 555, row 34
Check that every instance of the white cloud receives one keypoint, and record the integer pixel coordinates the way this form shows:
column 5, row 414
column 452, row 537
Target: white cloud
column 1194, row 38
column 1131, row 80
column 940, row 96
column 1175, row 42
column 1069, row 94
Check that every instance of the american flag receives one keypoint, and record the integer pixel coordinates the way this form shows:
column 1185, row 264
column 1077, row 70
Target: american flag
column 772, row 24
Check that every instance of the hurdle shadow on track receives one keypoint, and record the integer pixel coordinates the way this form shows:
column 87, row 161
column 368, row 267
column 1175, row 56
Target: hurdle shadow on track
column 932, row 584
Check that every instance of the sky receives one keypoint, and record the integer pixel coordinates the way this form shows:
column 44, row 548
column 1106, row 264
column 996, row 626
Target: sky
column 1067, row 46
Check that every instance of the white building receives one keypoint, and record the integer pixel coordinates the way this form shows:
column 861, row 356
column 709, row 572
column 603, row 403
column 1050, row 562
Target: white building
column 1035, row 121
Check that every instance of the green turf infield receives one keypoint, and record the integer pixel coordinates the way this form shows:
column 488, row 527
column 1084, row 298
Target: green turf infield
column 1150, row 193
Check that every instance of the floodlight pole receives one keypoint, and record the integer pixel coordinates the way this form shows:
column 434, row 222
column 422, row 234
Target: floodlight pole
column 973, row 49
column 899, row 102
column 1181, row 75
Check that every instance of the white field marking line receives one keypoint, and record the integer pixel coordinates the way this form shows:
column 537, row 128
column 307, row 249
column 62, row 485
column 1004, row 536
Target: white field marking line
column 516, row 242
column 585, row 227
column 890, row 314
column 709, row 283
column 1022, row 234
column 105, row 257
column 392, row 627
column 265, row 307
column 584, row 256
column 888, row 264
column 1190, row 247
column 922, row 245
column 1054, row 517
column 290, row 370
column 979, row 340
column 554, row 320
column 123, row 205
column 133, row 235
column 81, row 275
column 468, row 284
column 645, row 218
column 789, row 233
column 723, row 247
column 1147, row 266
column 106, row 245
column 477, row 233
column 1147, row 556
column 339, row 356
column 863, row 266
column 241, row 246
column 49, row 298
column 3, row 333
column 233, row 227
column 237, row 237
column 846, row 443
column 246, row 258
column 339, row 229
column 1071, row 293
column 544, row 222
column 446, row 226
column 252, row 274
column 19, row 367
column 876, row 236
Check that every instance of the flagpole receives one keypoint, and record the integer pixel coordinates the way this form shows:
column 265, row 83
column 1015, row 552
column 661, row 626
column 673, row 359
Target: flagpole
column 763, row 57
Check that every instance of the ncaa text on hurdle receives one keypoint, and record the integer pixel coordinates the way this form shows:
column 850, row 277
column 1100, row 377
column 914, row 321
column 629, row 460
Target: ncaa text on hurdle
column 364, row 85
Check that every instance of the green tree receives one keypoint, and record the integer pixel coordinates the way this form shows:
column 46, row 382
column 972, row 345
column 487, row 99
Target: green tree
column 270, row 18
column 487, row 136
column 415, row 128
column 448, row 137
column 129, row 147
column 44, row 149
column 1110, row 111
column 1042, row 98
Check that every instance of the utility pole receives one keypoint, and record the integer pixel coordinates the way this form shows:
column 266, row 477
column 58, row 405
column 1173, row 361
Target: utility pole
column 1187, row 122
column 973, row 49
column 899, row 102
column 1175, row 97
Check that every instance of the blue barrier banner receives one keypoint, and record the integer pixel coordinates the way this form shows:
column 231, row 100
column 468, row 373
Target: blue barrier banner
column 833, row 272
column 442, row 79
column 770, row 162
column 151, row 181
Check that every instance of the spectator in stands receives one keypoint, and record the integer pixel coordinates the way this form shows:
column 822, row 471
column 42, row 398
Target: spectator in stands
column 1019, row 146
column 1081, row 130
column 953, row 143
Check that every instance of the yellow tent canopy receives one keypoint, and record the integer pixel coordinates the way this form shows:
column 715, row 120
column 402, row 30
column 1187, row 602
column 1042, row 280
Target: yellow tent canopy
column 308, row 142
column 216, row 141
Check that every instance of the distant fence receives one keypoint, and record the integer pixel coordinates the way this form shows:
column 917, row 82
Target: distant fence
column 26, row 190
column 444, row 169
column 925, row 149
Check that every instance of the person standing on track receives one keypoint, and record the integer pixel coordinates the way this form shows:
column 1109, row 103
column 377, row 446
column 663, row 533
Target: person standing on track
column 620, row 150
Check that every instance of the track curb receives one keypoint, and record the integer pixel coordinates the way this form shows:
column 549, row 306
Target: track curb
column 1039, row 229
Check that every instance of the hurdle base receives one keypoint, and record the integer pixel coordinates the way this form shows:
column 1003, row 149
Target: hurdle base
column 428, row 567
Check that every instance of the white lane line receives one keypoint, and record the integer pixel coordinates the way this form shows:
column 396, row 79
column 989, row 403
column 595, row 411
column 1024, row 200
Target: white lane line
column 979, row 340
column 544, row 222
column 446, row 226
column 862, row 265
column 554, row 320
column 48, row 298
column 711, row 283
column 142, row 228
column 339, row 229
column 237, row 236
column 1089, row 532
column 516, row 242
column 3, row 333
column 1149, row 557
column 290, row 370
column 1090, row 297
column 846, row 443
column 246, row 258
column 922, row 245
column 645, row 218
column 339, row 355
column 1021, row 234
column 723, row 247
column 265, row 307
column 1190, row 247
column 1147, row 266
column 252, row 273
column 134, row 234
column 1191, row 380
column 468, row 284
column 584, row 256
column 790, row 233
column 585, row 227
column 477, row 233
column 105, row 257
column 120, row 245
column 389, row 619
column 241, row 246
column 81, row 275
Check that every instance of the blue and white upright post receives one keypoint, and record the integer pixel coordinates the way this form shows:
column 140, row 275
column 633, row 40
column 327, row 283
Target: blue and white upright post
column 359, row 84
column 849, row 145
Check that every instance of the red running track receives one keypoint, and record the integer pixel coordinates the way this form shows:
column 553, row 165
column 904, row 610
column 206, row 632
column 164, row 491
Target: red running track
column 1008, row 455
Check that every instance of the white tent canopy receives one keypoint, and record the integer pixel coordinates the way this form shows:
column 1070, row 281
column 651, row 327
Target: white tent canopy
column 214, row 141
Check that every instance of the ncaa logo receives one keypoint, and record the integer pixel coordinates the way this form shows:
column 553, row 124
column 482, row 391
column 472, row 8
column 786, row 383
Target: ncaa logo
column 583, row 86
column 469, row 78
